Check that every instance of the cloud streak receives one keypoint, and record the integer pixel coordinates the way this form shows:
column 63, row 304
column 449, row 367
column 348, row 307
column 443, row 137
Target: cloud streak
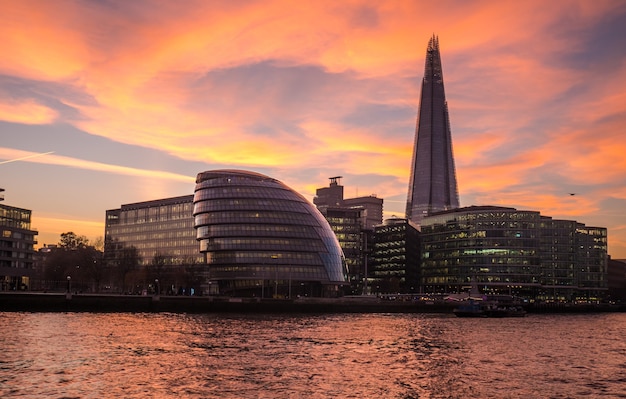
column 58, row 160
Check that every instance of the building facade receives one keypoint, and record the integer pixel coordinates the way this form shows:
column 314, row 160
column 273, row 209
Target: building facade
column 162, row 234
column 617, row 280
column 346, row 224
column 371, row 209
column 395, row 258
column 353, row 221
column 432, row 183
column 260, row 238
column 509, row 251
column 17, row 241
column 371, row 206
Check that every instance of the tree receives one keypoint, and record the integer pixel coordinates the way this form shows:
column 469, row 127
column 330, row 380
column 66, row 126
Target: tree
column 70, row 240
column 91, row 265
column 159, row 269
column 76, row 259
column 194, row 275
column 98, row 243
column 127, row 262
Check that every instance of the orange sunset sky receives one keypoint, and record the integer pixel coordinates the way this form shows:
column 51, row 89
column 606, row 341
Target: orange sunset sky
column 104, row 103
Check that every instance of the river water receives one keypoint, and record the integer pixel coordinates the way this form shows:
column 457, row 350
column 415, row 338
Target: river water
column 408, row 356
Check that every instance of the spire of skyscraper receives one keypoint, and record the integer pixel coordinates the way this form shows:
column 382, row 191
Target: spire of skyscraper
column 432, row 185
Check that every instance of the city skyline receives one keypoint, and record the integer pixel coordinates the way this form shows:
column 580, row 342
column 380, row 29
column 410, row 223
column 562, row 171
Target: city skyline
column 105, row 103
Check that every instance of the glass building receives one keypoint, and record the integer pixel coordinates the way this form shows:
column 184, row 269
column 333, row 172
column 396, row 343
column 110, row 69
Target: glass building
column 162, row 233
column 509, row 251
column 352, row 220
column 395, row 258
column 347, row 226
column 260, row 238
column 432, row 185
column 17, row 242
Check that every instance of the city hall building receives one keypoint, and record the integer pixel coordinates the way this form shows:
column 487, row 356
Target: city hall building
column 510, row 251
column 260, row 238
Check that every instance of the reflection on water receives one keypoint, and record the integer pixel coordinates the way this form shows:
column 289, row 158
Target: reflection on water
column 66, row 355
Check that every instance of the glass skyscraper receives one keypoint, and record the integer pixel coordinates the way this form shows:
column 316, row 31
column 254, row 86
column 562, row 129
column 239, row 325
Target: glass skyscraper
column 432, row 185
column 260, row 238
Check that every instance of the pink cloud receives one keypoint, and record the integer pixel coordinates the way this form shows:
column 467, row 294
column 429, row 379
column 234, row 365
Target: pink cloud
column 27, row 112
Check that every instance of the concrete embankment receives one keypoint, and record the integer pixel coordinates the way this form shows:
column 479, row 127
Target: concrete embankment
column 60, row 302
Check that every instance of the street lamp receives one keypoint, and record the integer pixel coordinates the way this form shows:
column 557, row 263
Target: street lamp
column 69, row 284
column 156, row 286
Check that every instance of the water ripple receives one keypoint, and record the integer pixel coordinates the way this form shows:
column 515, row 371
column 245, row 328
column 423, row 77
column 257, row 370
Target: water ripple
column 82, row 355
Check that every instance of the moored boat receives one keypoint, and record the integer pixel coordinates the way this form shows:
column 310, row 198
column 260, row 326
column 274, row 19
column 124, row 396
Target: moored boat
column 469, row 308
column 504, row 311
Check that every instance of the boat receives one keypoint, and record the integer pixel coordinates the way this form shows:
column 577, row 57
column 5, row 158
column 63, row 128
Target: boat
column 474, row 304
column 504, row 311
column 469, row 308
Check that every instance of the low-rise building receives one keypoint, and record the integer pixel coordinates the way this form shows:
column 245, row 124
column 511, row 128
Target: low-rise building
column 17, row 241
column 154, row 240
column 510, row 251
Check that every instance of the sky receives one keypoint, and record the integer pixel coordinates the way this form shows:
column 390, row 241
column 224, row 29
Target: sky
column 104, row 103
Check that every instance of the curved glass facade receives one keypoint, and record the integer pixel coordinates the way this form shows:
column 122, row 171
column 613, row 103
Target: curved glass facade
column 261, row 238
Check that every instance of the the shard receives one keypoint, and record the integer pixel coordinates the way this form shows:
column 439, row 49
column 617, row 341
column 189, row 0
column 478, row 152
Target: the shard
column 432, row 186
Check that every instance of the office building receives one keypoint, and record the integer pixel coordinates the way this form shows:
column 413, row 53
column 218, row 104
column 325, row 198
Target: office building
column 371, row 206
column 162, row 234
column 346, row 224
column 432, row 183
column 395, row 258
column 260, row 238
column 510, row 251
column 17, row 241
column 352, row 220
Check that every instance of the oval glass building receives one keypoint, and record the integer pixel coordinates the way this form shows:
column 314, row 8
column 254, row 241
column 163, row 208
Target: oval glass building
column 260, row 238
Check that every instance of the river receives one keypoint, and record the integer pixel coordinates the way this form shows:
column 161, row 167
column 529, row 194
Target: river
column 407, row 356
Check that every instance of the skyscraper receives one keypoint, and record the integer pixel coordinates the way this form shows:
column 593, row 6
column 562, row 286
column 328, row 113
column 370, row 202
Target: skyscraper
column 432, row 185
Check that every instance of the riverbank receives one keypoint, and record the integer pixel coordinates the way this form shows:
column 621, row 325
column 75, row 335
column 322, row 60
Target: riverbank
column 60, row 302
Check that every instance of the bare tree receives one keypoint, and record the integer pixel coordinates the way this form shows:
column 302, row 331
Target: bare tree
column 128, row 262
column 70, row 240
column 73, row 259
